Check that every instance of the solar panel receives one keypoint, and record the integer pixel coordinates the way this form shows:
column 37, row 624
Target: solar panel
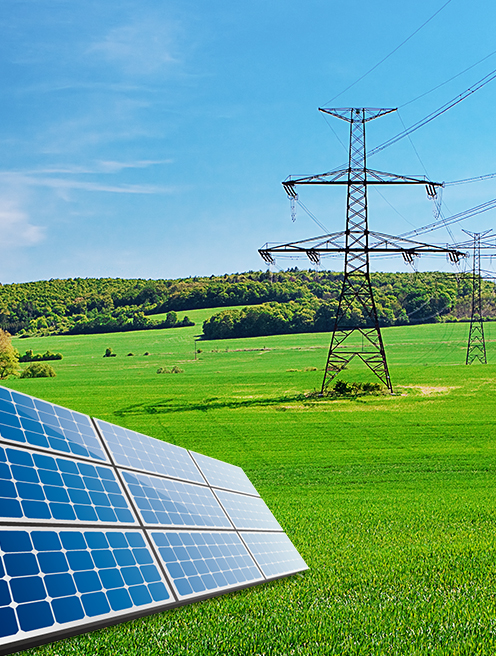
column 100, row 524
column 27, row 420
column 223, row 475
column 137, row 451
column 172, row 503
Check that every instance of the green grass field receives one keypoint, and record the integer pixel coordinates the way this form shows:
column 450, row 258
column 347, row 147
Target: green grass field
column 390, row 500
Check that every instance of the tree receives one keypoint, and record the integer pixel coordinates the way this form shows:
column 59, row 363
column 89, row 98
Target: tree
column 9, row 357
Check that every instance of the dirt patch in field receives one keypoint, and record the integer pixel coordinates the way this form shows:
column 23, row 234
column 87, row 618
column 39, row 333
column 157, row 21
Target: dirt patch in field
column 428, row 390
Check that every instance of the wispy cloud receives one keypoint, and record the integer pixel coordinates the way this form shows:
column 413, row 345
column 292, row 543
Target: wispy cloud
column 64, row 184
column 115, row 167
column 143, row 48
column 15, row 227
column 100, row 166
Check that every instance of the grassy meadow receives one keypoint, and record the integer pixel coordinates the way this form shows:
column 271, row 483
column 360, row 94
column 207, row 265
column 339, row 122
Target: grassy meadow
column 389, row 499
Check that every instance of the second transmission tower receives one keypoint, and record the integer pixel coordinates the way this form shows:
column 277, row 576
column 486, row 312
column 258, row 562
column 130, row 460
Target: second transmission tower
column 476, row 347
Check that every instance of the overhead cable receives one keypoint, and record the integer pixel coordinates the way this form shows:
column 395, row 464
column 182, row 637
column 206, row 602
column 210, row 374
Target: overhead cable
column 478, row 178
column 438, row 112
column 390, row 54
column 473, row 211
column 426, row 93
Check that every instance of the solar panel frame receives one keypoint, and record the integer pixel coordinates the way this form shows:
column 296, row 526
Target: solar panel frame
column 215, row 480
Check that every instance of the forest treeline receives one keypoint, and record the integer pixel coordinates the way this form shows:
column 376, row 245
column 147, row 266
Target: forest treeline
column 290, row 301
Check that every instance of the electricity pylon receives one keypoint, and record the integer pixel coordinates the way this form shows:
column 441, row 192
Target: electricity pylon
column 476, row 347
column 357, row 242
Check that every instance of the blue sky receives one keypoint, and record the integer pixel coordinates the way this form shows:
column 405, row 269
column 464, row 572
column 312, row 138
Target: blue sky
column 149, row 139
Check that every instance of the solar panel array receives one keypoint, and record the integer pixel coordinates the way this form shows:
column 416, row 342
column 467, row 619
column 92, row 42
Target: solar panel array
column 101, row 524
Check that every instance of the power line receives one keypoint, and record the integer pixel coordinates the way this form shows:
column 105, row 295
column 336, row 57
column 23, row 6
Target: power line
column 478, row 178
column 390, row 54
column 426, row 93
column 473, row 211
column 438, row 112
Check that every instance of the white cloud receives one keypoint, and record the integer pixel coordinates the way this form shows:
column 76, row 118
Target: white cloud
column 143, row 48
column 115, row 167
column 16, row 231
column 62, row 185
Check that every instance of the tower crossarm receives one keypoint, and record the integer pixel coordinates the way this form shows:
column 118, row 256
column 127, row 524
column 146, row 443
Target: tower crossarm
column 357, row 115
column 364, row 177
column 378, row 243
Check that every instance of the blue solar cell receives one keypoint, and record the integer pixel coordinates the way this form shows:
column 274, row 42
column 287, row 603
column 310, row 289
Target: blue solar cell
column 95, row 603
column 158, row 591
column 60, row 585
column 68, row 609
column 27, row 588
column 103, row 558
column 274, row 553
column 21, row 564
column 5, row 597
column 247, row 512
column 172, row 503
column 131, row 449
column 87, row 581
column 40, row 482
column 223, row 475
column 52, row 562
column 200, row 574
column 24, row 419
column 119, row 599
column 34, row 616
column 111, row 578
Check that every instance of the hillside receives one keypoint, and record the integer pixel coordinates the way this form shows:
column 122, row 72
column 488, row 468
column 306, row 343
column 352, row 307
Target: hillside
column 290, row 301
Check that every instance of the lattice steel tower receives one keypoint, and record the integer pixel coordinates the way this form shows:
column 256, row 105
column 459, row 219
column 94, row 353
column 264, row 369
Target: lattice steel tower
column 356, row 243
column 356, row 281
column 476, row 347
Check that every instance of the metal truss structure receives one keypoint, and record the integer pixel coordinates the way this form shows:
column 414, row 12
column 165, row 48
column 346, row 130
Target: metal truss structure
column 357, row 243
column 476, row 345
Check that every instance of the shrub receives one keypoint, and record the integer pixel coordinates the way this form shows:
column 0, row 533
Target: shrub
column 108, row 353
column 175, row 370
column 38, row 370
column 29, row 356
column 342, row 388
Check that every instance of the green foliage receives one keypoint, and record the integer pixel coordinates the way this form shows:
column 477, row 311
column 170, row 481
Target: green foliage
column 9, row 357
column 342, row 388
column 29, row 356
column 38, row 370
column 399, row 298
column 103, row 305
